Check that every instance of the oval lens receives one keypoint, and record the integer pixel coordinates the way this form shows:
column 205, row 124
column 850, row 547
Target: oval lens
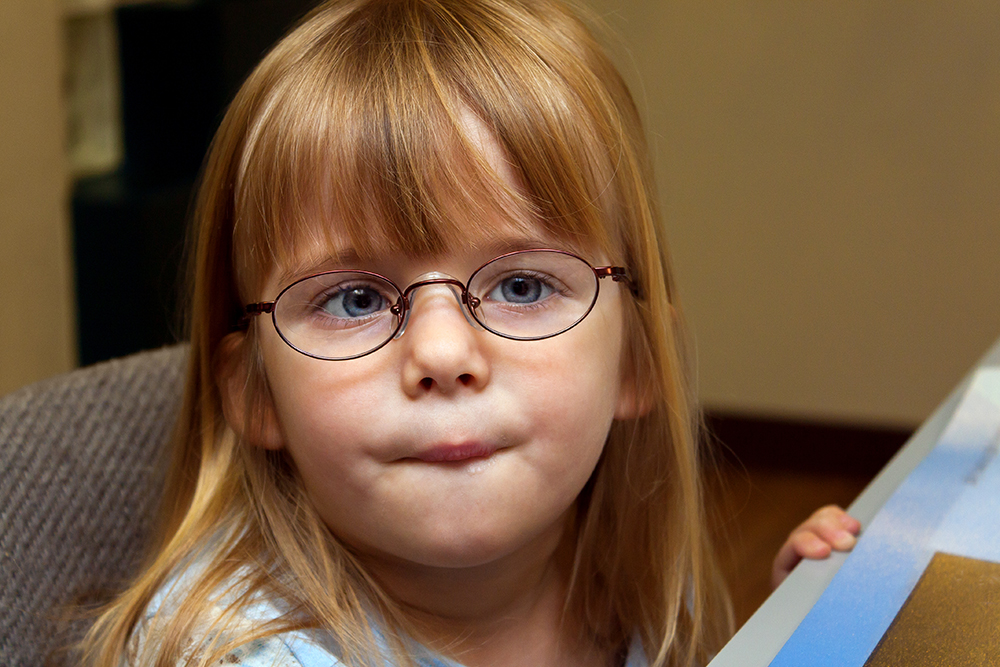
column 534, row 293
column 338, row 314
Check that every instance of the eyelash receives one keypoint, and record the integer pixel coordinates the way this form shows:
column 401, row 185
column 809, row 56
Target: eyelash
column 318, row 310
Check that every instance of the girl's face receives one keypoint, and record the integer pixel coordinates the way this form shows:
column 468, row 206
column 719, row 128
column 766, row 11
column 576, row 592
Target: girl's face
column 524, row 421
column 521, row 423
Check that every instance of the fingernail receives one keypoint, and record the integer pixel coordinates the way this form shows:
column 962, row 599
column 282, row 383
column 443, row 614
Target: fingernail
column 849, row 522
column 843, row 540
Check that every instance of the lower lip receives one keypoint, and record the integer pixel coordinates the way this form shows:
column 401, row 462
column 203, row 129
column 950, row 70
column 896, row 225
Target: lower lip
column 456, row 453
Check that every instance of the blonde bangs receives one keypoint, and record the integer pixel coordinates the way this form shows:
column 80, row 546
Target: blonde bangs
column 365, row 139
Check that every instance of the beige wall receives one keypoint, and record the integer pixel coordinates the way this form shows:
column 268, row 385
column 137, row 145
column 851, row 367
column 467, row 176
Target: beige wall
column 36, row 334
column 830, row 173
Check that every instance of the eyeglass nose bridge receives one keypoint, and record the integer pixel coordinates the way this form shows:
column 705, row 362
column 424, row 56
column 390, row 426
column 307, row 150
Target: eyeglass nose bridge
column 467, row 302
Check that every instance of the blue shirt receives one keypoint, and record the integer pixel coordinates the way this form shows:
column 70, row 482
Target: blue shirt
column 296, row 649
column 299, row 648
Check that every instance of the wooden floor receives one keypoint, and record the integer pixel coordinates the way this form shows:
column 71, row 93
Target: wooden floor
column 757, row 509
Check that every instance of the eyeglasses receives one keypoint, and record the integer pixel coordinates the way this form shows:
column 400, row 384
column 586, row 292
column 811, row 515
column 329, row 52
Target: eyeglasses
column 523, row 295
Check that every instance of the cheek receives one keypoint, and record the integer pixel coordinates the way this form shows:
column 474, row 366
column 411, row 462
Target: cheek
column 581, row 367
column 331, row 424
column 572, row 391
column 325, row 411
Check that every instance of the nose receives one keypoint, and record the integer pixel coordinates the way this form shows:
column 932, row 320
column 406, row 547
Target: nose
column 443, row 351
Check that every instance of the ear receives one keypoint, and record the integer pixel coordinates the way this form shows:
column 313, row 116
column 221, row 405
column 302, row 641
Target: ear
column 252, row 417
column 633, row 401
column 636, row 390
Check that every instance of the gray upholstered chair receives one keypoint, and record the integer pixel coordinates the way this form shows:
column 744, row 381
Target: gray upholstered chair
column 82, row 459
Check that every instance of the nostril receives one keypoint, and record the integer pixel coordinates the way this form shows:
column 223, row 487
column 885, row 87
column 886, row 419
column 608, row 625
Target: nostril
column 466, row 379
column 427, row 383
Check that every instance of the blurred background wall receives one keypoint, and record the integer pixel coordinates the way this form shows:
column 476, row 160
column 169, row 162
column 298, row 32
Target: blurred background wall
column 828, row 172
column 830, row 176
column 36, row 322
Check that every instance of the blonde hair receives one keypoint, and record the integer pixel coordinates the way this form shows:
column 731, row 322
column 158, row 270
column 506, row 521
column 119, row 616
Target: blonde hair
column 357, row 116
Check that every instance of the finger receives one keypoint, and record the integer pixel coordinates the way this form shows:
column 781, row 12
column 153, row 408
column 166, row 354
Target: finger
column 834, row 526
column 800, row 544
column 835, row 536
column 787, row 559
column 807, row 544
column 850, row 524
column 784, row 562
column 835, row 515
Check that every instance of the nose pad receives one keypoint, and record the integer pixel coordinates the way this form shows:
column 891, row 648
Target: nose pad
column 429, row 278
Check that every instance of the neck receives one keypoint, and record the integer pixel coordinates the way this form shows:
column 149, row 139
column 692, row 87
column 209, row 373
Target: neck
column 508, row 612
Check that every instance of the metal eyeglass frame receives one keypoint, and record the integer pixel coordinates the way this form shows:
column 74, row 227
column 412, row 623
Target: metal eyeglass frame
column 402, row 306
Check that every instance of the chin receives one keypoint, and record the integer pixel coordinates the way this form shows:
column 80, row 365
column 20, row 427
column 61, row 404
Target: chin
column 464, row 552
column 478, row 546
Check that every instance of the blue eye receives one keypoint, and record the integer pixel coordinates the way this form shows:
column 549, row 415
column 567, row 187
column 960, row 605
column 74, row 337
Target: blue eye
column 520, row 289
column 354, row 302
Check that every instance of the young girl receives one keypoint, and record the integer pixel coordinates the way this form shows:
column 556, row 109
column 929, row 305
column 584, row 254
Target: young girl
column 438, row 408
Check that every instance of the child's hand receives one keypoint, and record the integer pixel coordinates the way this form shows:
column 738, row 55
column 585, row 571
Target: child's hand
column 827, row 529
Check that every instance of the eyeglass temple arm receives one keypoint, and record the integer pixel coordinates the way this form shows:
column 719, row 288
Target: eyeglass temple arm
column 619, row 275
column 250, row 310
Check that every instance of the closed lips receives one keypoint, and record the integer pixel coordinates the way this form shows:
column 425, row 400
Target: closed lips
column 461, row 452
